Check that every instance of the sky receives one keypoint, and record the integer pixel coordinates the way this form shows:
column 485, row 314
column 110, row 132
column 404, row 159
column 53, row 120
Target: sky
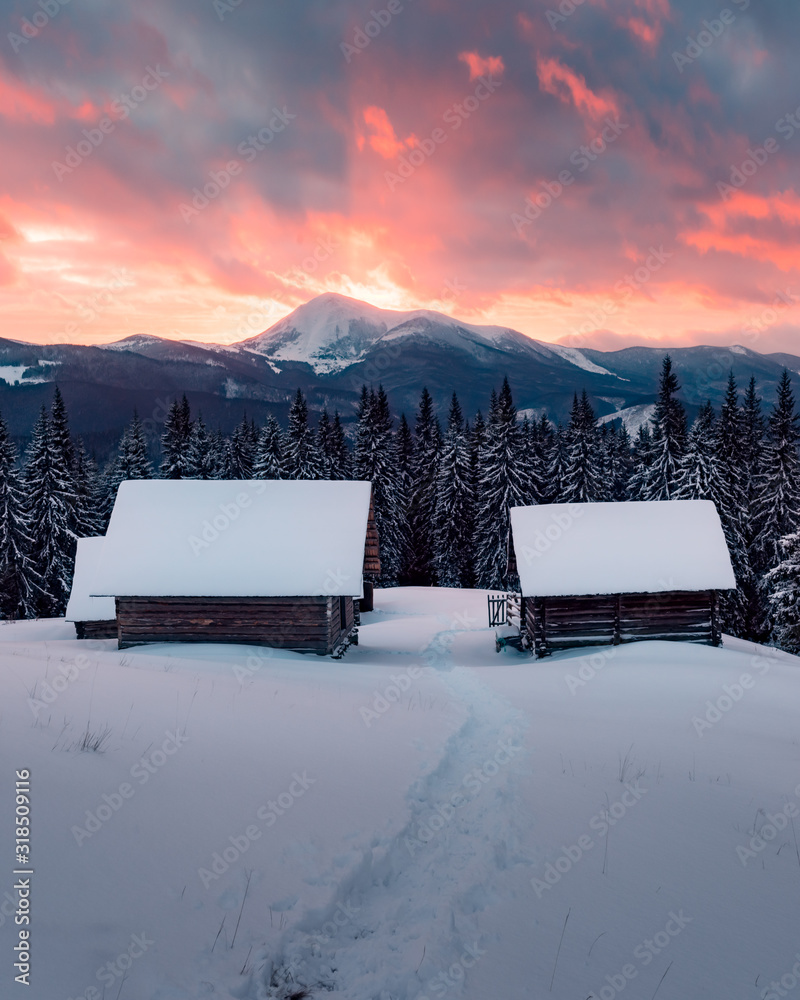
column 600, row 173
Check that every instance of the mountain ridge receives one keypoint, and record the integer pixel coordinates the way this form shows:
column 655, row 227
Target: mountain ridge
column 332, row 345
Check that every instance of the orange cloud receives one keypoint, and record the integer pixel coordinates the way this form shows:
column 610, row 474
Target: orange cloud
column 648, row 33
column 750, row 225
column 570, row 87
column 20, row 104
column 480, row 65
column 384, row 140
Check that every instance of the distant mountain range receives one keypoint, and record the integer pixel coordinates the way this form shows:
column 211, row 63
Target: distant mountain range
column 332, row 345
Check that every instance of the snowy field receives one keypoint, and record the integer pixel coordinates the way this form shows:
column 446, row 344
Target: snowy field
column 424, row 818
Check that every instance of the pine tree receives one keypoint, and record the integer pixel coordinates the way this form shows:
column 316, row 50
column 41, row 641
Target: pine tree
column 777, row 504
column 783, row 586
column 699, row 474
column 730, row 488
column 557, row 465
column 756, row 610
column 175, row 440
column 453, row 516
column 339, row 453
column 669, row 438
column 375, row 460
column 642, row 458
column 301, row 458
column 269, row 453
column 539, row 456
column 583, row 474
column 502, row 485
column 404, row 443
column 136, row 462
column 324, row 444
column 422, row 501
column 404, row 458
column 220, row 456
column 618, row 462
column 131, row 462
column 244, row 445
column 752, row 449
column 50, row 501
column 332, row 447
column 91, row 498
column 20, row 584
column 63, row 449
column 200, row 457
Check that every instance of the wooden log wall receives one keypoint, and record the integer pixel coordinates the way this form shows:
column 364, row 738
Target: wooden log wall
column 570, row 622
column 372, row 553
column 306, row 624
column 96, row 629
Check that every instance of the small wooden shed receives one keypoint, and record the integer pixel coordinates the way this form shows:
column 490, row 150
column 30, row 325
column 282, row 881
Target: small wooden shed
column 264, row 562
column 94, row 617
column 607, row 573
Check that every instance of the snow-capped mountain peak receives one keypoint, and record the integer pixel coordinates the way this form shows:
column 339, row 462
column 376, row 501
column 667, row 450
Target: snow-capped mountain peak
column 332, row 332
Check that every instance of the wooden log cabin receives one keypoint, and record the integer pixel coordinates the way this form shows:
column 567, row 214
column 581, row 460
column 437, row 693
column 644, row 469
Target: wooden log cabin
column 272, row 563
column 611, row 573
column 94, row 617
column 372, row 560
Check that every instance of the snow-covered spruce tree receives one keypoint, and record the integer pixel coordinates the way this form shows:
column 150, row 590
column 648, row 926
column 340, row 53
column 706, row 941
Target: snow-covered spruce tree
column 422, row 501
column 783, row 586
column 244, row 444
column 134, row 462
column 61, row 440
column 220, row 456
column 339, row 453
column 20, row 584
column 50, row 508
column 701, row 477
column 175, row 440
column 200, row 458
column 91, row 496
column 669, row 437
column 476, row 442
column 583, row 473
column 454, row 517
column 730, row 488
column 539, row 443
column 404, row 451
column 269, row 453
column 756, row 610
column 502, row 485
column 777, row 502
column 375, row 459
column 642, row 457
column 753, row 429
column 301, row 459
column 324, row 444
column 617, row 460
column 332, row 447
column 557, row 465
column 698, row 472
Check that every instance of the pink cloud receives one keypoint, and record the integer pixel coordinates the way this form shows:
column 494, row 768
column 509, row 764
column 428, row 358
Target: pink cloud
column 570, row 87
column 383, row 139
column 482, row 65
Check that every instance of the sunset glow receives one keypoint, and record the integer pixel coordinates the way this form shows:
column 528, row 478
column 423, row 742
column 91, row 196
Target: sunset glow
column 601, row 177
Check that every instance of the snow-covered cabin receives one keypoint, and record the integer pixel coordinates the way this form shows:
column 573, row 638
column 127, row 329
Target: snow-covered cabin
column 606, row 573
column 94, row 617
column 274, row 563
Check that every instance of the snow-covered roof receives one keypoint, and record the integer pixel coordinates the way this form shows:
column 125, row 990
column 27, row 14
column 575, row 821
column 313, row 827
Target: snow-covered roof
column 82, row 607
column 222, row 538
column 619, row 548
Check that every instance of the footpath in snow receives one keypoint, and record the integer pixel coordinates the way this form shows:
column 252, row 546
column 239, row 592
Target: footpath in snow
column 424, row 818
